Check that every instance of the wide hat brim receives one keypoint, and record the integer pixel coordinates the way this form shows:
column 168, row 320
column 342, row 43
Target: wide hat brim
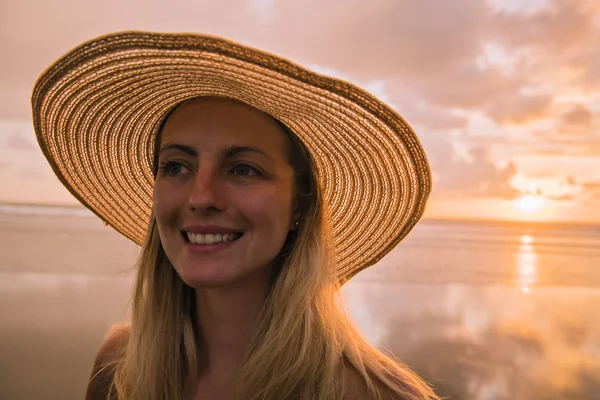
column 97, row 109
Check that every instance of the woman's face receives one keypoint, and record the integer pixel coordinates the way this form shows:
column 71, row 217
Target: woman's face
column 223, row 171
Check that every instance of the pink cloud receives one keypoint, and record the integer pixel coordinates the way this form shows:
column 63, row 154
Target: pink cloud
column 18, row 141
column 425, row 52
column 518, row 109
column 476, row 175
column 432, row 54
column 559, row 38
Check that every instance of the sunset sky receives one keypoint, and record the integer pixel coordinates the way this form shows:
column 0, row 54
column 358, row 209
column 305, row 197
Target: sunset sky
column 504, row 94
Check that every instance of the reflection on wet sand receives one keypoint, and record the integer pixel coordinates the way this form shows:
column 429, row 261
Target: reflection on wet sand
column 51, row 326
column 484, row 311
column 475, row 343
column 470, row 342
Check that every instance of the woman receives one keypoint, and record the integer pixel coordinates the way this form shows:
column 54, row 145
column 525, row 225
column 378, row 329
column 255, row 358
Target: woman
column 255, row 189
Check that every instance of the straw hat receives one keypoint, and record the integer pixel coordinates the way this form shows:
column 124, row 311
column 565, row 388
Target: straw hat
column 97, row 110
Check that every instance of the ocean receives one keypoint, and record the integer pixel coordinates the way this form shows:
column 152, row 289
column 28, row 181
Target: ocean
column 483, row 310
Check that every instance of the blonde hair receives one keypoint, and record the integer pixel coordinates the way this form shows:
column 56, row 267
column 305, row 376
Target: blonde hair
column 304, row 342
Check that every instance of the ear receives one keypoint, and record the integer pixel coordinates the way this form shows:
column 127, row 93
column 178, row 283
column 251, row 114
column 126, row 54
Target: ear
column 295, row 218
column 295, row 215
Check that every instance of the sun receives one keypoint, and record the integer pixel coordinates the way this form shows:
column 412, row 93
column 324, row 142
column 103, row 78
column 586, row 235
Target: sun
column 529, row 204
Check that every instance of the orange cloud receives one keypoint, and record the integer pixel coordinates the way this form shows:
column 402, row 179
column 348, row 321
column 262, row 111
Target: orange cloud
column 579, row 120
column 549, row 188
column 579, row 115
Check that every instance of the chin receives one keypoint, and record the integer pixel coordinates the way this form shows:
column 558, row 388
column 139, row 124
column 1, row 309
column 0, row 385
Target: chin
column 218, row 276
column 198, row 278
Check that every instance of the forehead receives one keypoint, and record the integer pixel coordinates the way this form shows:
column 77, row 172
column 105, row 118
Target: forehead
column 213, row 122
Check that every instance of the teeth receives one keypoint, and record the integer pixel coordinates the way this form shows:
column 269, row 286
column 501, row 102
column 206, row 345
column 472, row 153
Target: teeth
column 209, row 238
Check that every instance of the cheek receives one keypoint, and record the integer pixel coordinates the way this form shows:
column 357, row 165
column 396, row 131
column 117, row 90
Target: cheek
column 269, row 210
column 158, row 203
column 165, row 204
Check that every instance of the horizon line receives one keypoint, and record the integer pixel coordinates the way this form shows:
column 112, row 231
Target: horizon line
column 423, row 219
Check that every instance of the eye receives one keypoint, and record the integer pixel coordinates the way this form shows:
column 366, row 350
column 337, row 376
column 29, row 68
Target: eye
column 172, row 168
column 244, row 170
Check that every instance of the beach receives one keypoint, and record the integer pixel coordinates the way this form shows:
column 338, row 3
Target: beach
column 482, row 310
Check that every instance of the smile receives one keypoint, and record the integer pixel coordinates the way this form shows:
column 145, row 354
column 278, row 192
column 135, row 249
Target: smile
column 210, row 238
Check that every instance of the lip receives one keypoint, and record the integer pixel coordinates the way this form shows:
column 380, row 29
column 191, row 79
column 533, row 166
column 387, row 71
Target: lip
column 209, row 248
column 210, row 229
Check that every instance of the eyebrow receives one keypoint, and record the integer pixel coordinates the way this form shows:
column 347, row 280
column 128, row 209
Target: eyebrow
column 227, row 152
column 181, row 147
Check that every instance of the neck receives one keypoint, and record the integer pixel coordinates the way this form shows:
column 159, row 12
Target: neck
column 227, row 320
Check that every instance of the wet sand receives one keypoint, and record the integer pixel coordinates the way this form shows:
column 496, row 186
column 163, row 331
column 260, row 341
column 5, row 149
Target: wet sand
column 510, row 332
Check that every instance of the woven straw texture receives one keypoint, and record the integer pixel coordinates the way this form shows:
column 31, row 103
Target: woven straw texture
column 97, row 110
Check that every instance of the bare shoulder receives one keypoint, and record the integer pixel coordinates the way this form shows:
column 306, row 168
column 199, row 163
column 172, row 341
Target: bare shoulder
column 102, row 373
column 356, row 388
column 114, row 340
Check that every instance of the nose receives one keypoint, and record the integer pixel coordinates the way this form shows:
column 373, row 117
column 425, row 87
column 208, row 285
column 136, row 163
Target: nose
column 207, row 191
